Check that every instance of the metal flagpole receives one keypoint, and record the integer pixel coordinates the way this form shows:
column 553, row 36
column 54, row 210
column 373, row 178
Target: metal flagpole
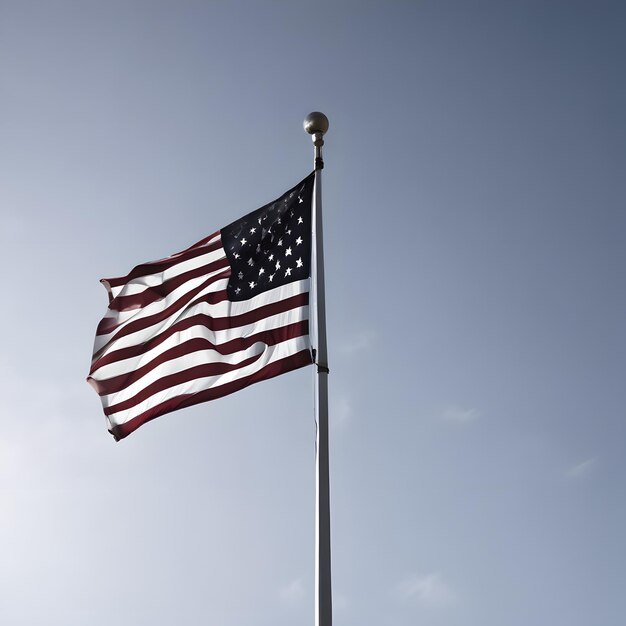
column 316, row 124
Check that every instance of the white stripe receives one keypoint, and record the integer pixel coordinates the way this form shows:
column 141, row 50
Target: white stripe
column 221, row 309
column 219, row 337
column 270, row 355
column 291, row 316
column 230, row 309
column 116, row 291
column 180, row 364
column 141, row 283
column 123, row 318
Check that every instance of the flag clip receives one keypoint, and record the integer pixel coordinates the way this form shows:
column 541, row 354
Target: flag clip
column 321, row 369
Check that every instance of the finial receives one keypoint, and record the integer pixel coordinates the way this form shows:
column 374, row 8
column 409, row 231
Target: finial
column 316, row 124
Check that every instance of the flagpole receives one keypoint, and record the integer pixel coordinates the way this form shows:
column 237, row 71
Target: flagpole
column 316, row 124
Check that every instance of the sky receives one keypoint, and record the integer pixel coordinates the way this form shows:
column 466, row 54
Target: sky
column 475, row 232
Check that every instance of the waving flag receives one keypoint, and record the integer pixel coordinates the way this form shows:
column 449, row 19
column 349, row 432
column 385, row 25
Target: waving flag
column 229, row 311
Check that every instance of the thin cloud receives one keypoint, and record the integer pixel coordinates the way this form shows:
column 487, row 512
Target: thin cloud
column 460, row 415
column 580, row 469
column 341, row 412
column 340, row 602
column 360, row 341
column 428, row 590
column 292, row 593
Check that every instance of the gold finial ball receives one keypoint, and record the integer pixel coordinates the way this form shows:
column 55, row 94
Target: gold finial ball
column 316, row 122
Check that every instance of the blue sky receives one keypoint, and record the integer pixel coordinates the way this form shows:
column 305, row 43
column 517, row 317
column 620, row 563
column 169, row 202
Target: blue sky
column 475, row 238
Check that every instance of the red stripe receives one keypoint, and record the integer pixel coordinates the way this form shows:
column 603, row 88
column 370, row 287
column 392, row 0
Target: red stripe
column 199, row 319
column 269, row 371
column 222, row 323
column 136, row 350
column 158, row 292
column 178, row 378
column 202, row 242
column 108, row 324
column 268, row 337
column 154, row 267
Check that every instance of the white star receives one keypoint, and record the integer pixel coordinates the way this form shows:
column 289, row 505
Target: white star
column 288, row 272
column 299, row 262
column 288, row 252
column 280, row 242
column 250, row 262
column 236, row 255
column 240, row 275
column 244, row 241
column 261, row 271
column 277, row 265
column 288, row 232
column 270, row 257
column 252, row 285
column 298, row 241
column 252, row 231
column 271, row 277
column 300, row 220
column 300, row 200
column 237, row 290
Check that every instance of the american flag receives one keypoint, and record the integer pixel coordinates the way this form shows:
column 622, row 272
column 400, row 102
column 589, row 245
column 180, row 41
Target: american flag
column 229, row 311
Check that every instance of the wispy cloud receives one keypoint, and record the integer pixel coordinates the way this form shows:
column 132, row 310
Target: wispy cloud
column 292, row 593
column 362, row 340
column 428, row 590
column 580, row 469
column 341, row 412
column 340, row 602
column 460, row 415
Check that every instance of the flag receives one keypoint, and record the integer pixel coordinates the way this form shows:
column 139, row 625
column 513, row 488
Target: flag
column 230, row 311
